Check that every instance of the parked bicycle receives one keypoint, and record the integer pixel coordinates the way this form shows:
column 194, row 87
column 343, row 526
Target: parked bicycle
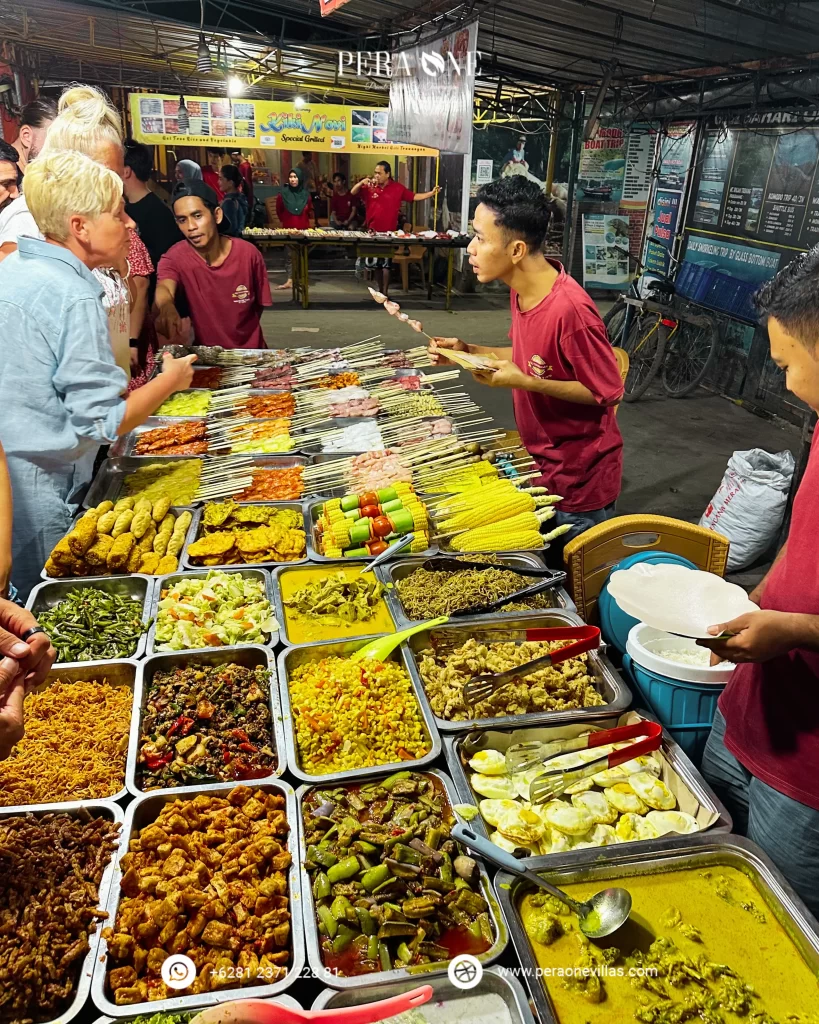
column 662, row 332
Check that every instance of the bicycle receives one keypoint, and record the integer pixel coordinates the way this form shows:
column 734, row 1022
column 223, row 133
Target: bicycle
column 661, row 333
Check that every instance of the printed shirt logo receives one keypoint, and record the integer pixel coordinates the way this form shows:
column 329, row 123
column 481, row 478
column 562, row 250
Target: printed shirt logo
column 538, row 367
column 241, row 294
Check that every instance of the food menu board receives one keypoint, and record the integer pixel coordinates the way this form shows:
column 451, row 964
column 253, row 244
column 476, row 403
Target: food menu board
column 216, row 118
column 760, row 184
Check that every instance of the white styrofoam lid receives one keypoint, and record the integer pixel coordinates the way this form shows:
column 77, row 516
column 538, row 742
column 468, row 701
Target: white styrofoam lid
column 677, row 599
column 650, row 647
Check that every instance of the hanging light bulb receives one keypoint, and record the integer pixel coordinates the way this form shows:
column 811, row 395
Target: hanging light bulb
column 235, row 86
column 182, row 117
column 204, row 64
column 298, row 102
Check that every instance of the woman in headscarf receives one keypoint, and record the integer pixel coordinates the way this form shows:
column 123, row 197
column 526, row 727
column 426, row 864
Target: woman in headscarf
column 293, row 208
column 188, row 171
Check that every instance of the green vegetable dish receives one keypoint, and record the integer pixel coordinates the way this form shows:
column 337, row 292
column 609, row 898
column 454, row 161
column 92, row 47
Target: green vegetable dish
column 92, row 625
column 391, row 888
column 222, row 609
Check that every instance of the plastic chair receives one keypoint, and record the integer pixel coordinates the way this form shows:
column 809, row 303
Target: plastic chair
column 623, row 363
column 590, row 557
column 416, row 254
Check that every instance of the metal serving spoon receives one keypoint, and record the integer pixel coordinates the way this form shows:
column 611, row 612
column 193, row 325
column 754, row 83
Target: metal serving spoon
column 598, row 917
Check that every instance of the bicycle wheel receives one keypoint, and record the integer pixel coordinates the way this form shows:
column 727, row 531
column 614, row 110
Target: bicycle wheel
column 689, row 355
column 615, row 320
column 645, row 344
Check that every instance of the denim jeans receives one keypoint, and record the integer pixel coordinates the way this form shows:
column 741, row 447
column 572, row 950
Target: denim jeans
column 785, row 829
column 579, row 522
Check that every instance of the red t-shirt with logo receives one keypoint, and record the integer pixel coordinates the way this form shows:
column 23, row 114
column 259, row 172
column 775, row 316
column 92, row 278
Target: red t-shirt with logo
column 341, row 205
column 578, row 448
column 771, row 709
column 225, row 302
column 384, row 203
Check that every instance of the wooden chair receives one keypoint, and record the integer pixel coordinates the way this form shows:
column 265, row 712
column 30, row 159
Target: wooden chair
column 623, row 363
column 270, row 208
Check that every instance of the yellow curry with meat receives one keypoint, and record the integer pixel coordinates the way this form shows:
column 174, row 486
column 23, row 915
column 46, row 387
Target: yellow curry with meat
column 701, row 945
column 333, row 603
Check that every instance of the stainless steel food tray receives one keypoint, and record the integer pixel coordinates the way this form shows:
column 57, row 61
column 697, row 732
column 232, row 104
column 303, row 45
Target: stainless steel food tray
column 176, row 509
column 120, row 672
column 107, row 484
column 500, row 739
column 124, row 445
column 144, row 811
column 312, row 513
column 196, row 533
column 497, row 981
column 618, row 862
column 385, row 977
column 249, row 656
column 194, row 387
column 87, row 812
column 163, row 582
column 292, row 657
column 283, row 1000
column 400, row 568
column 329, row 566
column 137, row 587
column 327, row 425
column 610, row 685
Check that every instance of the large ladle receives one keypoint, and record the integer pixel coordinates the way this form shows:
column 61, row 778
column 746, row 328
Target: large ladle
column 598, row 917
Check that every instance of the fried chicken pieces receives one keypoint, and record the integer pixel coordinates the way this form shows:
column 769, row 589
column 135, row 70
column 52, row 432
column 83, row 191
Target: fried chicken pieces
column 207, row 879
column 241, row 534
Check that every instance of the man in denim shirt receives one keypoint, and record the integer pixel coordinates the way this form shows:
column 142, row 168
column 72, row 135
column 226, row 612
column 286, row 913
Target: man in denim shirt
column 60, row 389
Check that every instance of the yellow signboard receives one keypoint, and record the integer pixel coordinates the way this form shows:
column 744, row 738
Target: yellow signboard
column 159, row 119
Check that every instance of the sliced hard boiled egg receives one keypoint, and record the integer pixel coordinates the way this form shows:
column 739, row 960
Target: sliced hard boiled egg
column 488, row 762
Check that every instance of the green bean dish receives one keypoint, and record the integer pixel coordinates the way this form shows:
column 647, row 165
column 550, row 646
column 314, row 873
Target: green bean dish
column 92, row 625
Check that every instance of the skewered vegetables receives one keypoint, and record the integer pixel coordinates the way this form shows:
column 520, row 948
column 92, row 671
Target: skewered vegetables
column 244, row 534
column 206, row 723
column 391, row 889
column 563, row 687
column 186, row 403
column 120, row 547
column 350, row 714
column 359, row 525
column 223, row 608
column 92, row 625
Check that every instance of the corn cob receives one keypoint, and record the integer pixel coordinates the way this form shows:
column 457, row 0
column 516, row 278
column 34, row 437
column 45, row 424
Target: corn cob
column 506, row 533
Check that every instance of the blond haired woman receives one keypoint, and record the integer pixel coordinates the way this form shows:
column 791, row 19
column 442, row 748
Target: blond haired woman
column 60, row 389
column 86, row 121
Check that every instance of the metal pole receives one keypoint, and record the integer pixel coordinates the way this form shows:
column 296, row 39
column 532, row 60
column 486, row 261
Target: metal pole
column 435, row 197
column 568, row 227
column 557, row 102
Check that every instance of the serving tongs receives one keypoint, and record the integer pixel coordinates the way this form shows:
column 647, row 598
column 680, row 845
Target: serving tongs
column 586, row 638
column 552, row 784
column 268, row 1011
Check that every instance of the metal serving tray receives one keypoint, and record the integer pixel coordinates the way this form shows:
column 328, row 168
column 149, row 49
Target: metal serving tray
column 144, row 811
column 164, row 581
column 282, row 1000
column 292, row 657
column 87, row 811
column 107, row 484
column 671, row 751
column 420, row 974
column 329, row 566
column 496, row 981
column 311, row 515
column 196, row 533
column 617, row 862
column 124, row 445
column 137, row 587
column 249, row 656
column 616, row 694
column 327, row 425
column 400, row 568
column 194, row 387
column 176, row 509
column 120, row 672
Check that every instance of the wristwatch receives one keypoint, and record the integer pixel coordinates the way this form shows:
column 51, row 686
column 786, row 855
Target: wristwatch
column 133, row 342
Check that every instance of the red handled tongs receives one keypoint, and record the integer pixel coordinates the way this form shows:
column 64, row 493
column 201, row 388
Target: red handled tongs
column 268, row 1011
column 552, row 784
column 587, row 638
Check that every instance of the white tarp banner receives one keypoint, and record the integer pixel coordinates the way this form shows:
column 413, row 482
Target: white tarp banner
column 431, row 92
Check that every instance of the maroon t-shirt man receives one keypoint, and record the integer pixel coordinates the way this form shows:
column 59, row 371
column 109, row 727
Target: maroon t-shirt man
column 578, row 448
column 383, row 204
column 771, row 708
column 341, row 205
column 225, row 302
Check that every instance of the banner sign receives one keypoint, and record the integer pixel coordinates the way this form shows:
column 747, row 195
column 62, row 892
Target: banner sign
column 602, row 166
column 724, row 275
column 639, row 163
column 664, row 227
column 431, row 93
column 328, row 6
column 676, row 150
column 263, row 124
column 604, row 264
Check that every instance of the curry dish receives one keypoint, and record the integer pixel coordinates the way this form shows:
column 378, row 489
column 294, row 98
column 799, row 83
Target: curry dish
column 332, row 603
column 710, row 949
